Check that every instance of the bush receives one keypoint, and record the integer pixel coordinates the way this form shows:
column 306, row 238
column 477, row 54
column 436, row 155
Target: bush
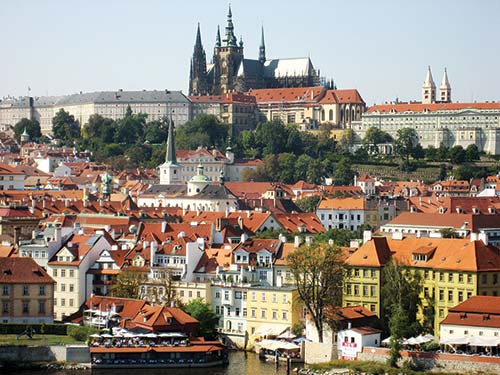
column 430, row 346
column 47, row 329
column 80, row 333
column 298, row 329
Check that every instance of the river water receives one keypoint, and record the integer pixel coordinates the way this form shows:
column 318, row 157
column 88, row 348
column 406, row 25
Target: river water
column 239, row 363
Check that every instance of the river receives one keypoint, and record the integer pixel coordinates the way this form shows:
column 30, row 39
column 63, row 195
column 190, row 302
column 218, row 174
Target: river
column 239, row 363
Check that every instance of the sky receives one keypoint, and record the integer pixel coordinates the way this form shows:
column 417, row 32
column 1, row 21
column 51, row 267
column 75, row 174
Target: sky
column 382, row 48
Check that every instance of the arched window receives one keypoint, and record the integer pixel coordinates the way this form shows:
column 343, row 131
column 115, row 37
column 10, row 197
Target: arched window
column 330, row 115
column 322, row 115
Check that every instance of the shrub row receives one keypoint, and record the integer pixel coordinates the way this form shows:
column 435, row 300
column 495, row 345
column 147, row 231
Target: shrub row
column 18, row 328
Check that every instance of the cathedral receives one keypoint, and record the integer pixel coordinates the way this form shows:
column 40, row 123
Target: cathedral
column 230, row 71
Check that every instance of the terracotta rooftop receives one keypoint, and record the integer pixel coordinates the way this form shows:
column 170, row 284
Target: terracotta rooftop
column 22, row 270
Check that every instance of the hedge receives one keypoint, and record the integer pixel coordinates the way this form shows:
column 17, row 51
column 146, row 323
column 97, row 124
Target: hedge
column 19, row 328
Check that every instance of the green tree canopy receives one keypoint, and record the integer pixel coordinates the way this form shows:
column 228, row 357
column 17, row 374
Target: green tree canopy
column 319, row 274
column 406, row 140
column 65, row 128
column 344, row 175
column 126, row 284
column 32, row 128
column 130, row 128
column 375, row 136
column 457, row 154
column 204, row 130
column 202, row 312
column 472, row 153
column 309, row 203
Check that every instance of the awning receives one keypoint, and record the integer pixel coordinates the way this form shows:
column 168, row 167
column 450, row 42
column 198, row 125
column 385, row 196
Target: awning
column 277, row 345
column 483, row 341
column 268, row 329
column 461, row 340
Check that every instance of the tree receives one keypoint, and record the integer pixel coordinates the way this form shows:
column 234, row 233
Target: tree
column 127, row 284
column 98, row 131
column 202, row 312
column 400, row 303
column 442, row 172
column 457, row 154
column 319, row 274
column 449, row 233
column 156, row 131
column 345, row 141
column 406, row 140
column 431, row 153
column 163, row 289
column 472, row 153
column 204, row 130
column 344, row 175
column 375, row 136
column 32, row 128
column 418, row 152
column 130, row 128
column 65, row 128
column 309, row 203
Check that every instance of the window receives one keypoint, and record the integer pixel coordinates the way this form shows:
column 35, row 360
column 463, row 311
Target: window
column 460, row 296
column 244, row 311
column 54, row 272
column 26, row 290
column 63, row 273
column 365, row 290
column 460, row 278
column 374, row 274
column 71, row 273
column 63, row 302
column 26, row 307
column 365, row 273
column 373, row 290
column 41, row 290
column 484, row 279
column 254, row 313
column 217, row 294
column 263, row 314
column 441, row 313
column 63, row 287
column 198, row 294
column 263, row 297
column 5, row 307
column 226, row 295
column 71, row 301
column 450, row 295
column 450, row 277
column 237, row 295
column 372, row 308
column 441, row 276
column 275, row 298
column 356, row 272
column 356, row 290
column 275, row 315
column 190, row 293
column 495, row 279
column 71, row 287
column 182, row 293
column 237, row 311
column 284, row 298
column 5, row 290
column 469, row 279
column 254, row 296
column 217, row 310
column 441, row 295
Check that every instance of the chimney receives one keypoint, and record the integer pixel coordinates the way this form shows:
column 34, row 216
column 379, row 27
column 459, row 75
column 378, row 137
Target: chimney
column 240, row 222
column 397, row 236
column 296, row 241
column 483, row 237
column 308, row 240
column 57, row 234
column 367, row 236
column 154, row 247
column 16, row 235
column 66, row 203
column 163, row 226
column 244, row 237
column 473, row 237
column 183, row 211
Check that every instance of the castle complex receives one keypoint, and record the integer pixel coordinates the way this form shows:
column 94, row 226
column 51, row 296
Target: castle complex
column 231, row 71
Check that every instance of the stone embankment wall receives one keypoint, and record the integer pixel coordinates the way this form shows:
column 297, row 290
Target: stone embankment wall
column 318, row 352
column 25, row 353
column 465, row 364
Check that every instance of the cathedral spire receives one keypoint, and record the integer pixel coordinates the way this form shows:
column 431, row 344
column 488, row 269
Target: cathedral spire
column 217, row 38
column 170, row 155
column 262, row 48
column 230, row 39
column 197, row 44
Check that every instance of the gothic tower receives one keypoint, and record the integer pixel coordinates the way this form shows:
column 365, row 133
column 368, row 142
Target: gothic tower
column 198, row 83
column 445, row 89
column 227, row 59
column 428, row 89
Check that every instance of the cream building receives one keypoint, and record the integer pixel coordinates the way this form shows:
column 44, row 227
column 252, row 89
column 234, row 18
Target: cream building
column 438, row 122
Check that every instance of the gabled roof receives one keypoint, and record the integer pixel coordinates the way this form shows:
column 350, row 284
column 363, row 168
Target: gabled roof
column 127, row 308
column 350, row 203
column 19, row 270
column 295, row 94
column 433, row 107
column 295, row 222
column 6, row 169
column 477, row 311
column 79, row 246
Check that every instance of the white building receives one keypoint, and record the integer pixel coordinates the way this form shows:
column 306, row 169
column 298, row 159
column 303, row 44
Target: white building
column 11, row 178
column 342, row 213
column 438, row 122
column 69, row 266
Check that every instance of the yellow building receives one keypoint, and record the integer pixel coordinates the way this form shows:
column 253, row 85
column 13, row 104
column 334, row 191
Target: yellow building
column 452, row 269
column 26, row 292
column 272, row 310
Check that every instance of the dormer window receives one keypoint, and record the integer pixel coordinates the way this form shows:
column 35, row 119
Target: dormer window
column 420, row 257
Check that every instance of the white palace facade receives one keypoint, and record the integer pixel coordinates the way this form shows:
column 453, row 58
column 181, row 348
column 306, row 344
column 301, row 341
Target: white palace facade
column 439, row 121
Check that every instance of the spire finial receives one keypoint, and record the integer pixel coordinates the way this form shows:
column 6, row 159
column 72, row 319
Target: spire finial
column 262, row 48
column 217, row 37
column 198, row 37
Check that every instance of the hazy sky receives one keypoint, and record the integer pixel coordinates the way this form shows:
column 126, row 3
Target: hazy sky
column 382, row 48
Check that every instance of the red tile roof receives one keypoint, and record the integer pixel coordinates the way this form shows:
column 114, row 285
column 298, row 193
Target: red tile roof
column 299, row 94
column 478, row 311
column 6, row 169
column 419, row 107
column 23, row 270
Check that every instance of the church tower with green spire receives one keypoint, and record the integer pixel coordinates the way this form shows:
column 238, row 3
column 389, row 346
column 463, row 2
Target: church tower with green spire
column 170, row 170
